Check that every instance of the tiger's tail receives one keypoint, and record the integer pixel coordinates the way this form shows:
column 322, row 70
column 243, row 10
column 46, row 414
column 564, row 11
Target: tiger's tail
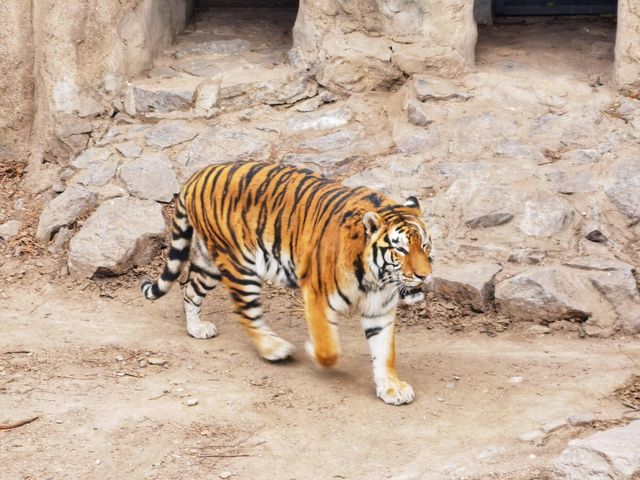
column 181, row 235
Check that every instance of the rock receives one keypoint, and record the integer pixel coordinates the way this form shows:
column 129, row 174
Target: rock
column 224, row 475
column 410, row 139
column 129, row 149
column 619, row 287
column 539, row 330
column 63, row 210
column 468, row 284
column 192, row 402
column 594, row 234
column 544, row 214
column 428, row 88
column 544, row 296
column 220, row 145
column 110, row 243
column 625, row 191
column 10, row 229
column 582, row 419
column 168, row 133
column 161, row 95
column 532, row 436
column 320, row 120
column 554, row 425
column 96, row 167
column 150, row 177
column 156, row 361
column 416, row 114
column 571, row 182
column 527, row 256
column 207, row 95
column 516, row 379
column 582, row 156
column 606, row 455
column 61, row 240
column 331, row 141
column 489, row 220
column 91, row 158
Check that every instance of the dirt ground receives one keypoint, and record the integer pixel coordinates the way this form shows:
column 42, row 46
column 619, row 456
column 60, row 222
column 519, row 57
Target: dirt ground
column 109, row 376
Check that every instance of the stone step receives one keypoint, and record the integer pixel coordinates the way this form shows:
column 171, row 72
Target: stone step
column 235, row 87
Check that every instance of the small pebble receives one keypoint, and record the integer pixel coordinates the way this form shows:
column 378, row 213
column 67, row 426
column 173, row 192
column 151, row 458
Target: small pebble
column 192, row 401
column 582, row 418
column 98, row 462
column 515, row 379
column 554, row 425
column 531, row 436
column 156, row 361
column 119, row 358
column 533, row 456
column 224, row 474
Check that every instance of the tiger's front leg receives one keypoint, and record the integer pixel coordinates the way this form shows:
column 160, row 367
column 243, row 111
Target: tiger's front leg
column 324, row 347
column 380, row 333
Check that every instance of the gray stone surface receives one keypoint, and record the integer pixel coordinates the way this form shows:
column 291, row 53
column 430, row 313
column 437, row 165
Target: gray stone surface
column 218, row 47
column 569, row 182
column 327, row 118
column 10, row 229
column 489, row 220
column 331, row 141
column 129, row 149
column 417, row 113
column 96, row 167
column 608, row 455
column 164, row 95
column 64, row 209
column 150, row 177
column 554, row 425
column 121, row 233
column 168, row 133
column 581, row 419
column 543, row 296
column 469, row 284
column 625, row 191
column 430, row 88
column 544, row 214
column 219, row 145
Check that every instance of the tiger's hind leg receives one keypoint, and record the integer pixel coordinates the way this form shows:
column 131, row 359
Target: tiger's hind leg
column 204, row 276
column 245, row 288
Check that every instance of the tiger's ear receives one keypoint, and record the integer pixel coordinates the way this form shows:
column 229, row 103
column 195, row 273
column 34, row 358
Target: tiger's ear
column 372, row 222
column 412, row 202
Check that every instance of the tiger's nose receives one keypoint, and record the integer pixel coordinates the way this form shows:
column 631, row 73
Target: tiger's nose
column 424, row 278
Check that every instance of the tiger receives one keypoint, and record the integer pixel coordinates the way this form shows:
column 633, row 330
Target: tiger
column 349, row 250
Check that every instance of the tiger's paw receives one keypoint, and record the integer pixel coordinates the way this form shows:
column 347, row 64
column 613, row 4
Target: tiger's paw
column 202, row 329
column 395, row 392
column 324, row 358
column 274, row 348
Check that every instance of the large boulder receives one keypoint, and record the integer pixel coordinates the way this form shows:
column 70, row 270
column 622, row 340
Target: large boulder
column 150, row 177
column 469, row 284
column 609, row 455
column 121, row 233
column 64, row 209
column 625, row 190
column 545, row 295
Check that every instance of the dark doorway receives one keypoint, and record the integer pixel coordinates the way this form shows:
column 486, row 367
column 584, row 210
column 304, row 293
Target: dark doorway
column 554, row 7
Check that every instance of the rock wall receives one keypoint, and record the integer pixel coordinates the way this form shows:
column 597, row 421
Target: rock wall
column 81, row 66
column 359, row 46
column 16, row 72
column 627, row 64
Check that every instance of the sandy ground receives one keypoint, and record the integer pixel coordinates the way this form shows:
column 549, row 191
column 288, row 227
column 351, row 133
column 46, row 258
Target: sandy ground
column 80, row 358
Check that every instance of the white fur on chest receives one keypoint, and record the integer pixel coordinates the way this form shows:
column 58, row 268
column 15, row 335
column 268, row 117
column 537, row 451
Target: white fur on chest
column 378, row 302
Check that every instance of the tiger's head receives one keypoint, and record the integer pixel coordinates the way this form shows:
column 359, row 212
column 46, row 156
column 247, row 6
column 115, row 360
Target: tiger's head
column 399, row 246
